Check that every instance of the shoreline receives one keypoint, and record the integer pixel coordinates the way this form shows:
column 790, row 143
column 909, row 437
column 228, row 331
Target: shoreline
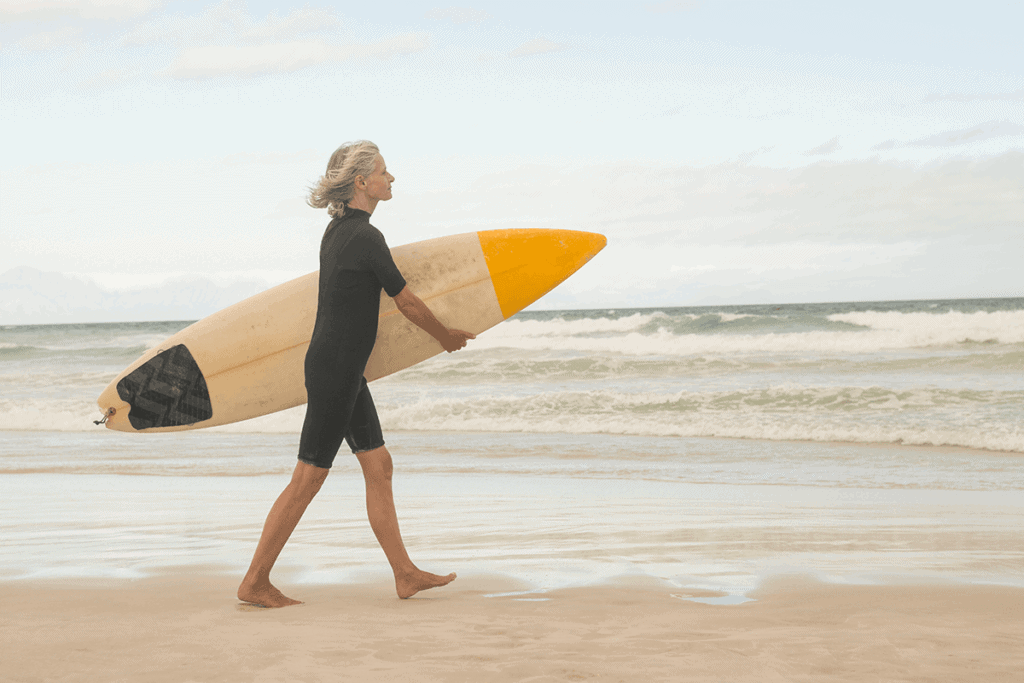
column 943, row 448
column 294, row 578
column 190, row 627
column 229, row 432
column 549, row 511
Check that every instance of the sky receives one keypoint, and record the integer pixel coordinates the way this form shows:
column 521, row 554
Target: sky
column 732, row 152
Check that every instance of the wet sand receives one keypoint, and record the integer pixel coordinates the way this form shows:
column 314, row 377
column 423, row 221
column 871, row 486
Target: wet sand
column 188, row 627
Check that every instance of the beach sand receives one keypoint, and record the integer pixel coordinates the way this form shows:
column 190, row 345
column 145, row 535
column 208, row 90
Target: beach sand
column 188, row 627
column 578, row 559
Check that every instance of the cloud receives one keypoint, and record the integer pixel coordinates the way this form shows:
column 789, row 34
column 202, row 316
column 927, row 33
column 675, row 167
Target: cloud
column 303, row 21
column 747, row 157
column 49, row 10
column 537, row 46
column 871, row 200
column 226, row 40
column 758, row 225
column 109, row 78
column 668, row 212
column 47, row 40
column 672, row 6
column 274, row 158
column 1015, row 96
column 229, row 22
column 247, row 61
column 458, row 15
column 669, row 206
column 985, row 131
column 825, row 148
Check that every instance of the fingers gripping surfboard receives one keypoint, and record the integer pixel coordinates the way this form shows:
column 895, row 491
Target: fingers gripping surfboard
column 247, row 360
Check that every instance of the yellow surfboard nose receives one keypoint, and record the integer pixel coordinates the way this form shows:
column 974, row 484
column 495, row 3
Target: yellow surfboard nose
column 526, row 264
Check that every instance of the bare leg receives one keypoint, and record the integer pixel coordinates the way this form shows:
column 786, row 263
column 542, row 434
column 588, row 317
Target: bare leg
column 380, row 507
column 286, row 513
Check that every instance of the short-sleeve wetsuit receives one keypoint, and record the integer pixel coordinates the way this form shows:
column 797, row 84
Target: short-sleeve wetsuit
column 355, row 264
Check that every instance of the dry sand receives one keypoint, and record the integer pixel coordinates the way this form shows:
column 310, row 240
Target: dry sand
column 189, row 628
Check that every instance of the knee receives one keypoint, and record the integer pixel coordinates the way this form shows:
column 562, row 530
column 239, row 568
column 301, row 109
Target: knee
column 377, row 465
column 307, row 480
column 387, row 468
column 312, row 487
column 383, row 469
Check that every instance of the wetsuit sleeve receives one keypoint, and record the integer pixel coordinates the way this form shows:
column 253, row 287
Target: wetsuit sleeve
column 376, row 257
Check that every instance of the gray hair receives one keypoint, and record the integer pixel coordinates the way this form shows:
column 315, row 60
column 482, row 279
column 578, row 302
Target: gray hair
column 337, row 186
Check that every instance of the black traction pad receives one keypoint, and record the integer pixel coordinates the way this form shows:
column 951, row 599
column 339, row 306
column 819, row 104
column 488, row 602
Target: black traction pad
column 168, row 390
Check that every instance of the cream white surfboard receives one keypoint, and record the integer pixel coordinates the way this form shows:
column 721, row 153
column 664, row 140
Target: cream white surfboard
column 247, row 360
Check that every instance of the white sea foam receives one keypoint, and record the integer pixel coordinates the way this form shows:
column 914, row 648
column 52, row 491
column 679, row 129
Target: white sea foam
column 57, row 415
column 79, row 414
column 561, row 327
column 923, row 329
column 860, row 414
column 883, row 331
column 794, row 413
column 55, row 344
column 664, row 343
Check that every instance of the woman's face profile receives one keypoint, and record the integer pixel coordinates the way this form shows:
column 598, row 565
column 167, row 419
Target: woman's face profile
column 378, row 185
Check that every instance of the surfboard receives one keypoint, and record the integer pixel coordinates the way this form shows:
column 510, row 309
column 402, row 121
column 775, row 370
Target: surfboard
column 247, row 360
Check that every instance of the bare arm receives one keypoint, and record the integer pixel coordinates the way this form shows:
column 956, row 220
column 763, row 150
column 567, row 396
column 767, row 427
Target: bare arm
column 413, row 308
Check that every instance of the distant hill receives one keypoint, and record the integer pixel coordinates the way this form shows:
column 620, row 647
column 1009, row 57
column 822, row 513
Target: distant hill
column 29, row 297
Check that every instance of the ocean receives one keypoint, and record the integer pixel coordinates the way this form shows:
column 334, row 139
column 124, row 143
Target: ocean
column 706, row 445
column 911, row 372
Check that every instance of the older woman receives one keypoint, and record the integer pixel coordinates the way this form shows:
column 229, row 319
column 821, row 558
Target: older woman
column 355, row 265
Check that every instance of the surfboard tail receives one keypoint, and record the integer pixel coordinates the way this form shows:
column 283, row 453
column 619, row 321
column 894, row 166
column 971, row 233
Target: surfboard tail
column 526, row 264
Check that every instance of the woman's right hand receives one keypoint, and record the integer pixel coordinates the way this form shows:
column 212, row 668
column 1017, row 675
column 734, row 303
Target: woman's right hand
column 456, row 340
column 413, row 308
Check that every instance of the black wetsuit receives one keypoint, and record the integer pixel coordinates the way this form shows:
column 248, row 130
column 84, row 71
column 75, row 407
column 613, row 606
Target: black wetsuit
column 355, row 264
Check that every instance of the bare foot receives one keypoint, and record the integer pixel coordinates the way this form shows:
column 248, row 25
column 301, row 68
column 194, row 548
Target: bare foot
column 265, row 595
column 412, row 583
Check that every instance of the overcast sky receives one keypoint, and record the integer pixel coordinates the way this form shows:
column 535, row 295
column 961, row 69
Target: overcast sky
column 732, row 152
